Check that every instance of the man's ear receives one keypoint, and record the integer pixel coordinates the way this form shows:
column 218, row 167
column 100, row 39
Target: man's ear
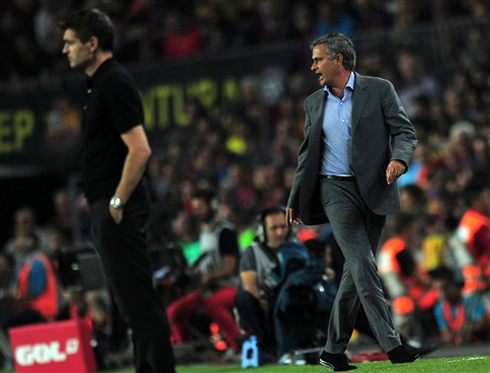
column 93, row 44
column 340, row 59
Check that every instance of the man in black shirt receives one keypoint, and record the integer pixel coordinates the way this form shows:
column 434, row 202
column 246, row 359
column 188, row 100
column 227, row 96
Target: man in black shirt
column 115, row 153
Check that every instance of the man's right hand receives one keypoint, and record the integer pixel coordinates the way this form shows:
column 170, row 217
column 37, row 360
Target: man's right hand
column 292, row 217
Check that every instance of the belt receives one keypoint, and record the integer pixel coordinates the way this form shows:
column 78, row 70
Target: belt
column 339, row 178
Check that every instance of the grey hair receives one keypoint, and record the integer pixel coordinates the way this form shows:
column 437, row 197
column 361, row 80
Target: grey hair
column 337, row 43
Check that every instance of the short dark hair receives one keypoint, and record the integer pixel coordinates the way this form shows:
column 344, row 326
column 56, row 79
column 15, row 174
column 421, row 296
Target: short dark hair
column 91, row 22
column 337, row 43
column 208, row 195
column 274, row 210
column 416, row 192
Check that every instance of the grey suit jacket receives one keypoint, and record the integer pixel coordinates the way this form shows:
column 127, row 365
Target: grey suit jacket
column 381, row 132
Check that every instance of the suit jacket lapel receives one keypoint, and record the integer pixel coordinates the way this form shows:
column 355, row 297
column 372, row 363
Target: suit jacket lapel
column 359, row 99
column 317, row 114
column 315, row 108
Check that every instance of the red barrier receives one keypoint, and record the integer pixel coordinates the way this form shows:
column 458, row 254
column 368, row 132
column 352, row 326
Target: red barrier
column 53, row 347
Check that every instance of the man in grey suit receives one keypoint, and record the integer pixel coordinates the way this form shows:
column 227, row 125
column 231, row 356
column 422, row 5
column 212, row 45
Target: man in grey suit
column 357, row 141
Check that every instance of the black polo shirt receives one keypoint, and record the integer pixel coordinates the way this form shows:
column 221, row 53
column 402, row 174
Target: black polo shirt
column 112, row 107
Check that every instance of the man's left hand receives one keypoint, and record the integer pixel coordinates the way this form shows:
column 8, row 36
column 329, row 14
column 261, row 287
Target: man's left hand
column 394, row 170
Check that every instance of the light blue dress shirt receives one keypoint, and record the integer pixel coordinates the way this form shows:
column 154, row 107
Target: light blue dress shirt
column 337, row 132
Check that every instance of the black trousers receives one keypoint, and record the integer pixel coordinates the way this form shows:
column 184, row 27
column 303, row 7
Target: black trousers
column 123, row 251
column 253, row 319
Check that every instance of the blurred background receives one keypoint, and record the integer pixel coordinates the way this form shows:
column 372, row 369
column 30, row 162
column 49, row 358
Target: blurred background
column 223, row 84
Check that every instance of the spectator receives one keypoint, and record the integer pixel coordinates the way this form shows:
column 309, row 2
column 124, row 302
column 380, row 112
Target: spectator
column 407, row 285
column 217, row 26
column 6, row 271
column 471, row 241
column 181, row 38
column 71, row 216
column 214, row 27
column 481, row 151
column 254, row 301
column 414, row 80
column 25, row 225
column 333, row 16
column 46, row 28
column 417, row 173
column 305, row 296
column 272, row 26
column 301, row 24
column 215, row 272
column 33, row 294
column 412, row 199
column 461, row 319
column 7, row 266
column 370, row 15
column 407, row 13
column 279, row 302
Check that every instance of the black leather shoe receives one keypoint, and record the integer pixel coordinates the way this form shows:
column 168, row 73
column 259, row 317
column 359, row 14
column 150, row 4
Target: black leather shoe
column 403, row 354
column 426, row 348
column 337, row 362
column 422, row 349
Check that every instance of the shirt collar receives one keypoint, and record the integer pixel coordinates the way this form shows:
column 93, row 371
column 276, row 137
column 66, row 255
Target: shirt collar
column 349, row 85
column 95, row 79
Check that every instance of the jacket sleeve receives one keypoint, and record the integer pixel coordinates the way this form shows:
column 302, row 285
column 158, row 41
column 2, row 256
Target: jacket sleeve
column 293, row 200
column 403, row 138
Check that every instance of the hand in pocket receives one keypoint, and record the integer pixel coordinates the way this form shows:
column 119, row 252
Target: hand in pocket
column 116, row 214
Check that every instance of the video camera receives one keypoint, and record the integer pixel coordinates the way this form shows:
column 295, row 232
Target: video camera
column 80, row 269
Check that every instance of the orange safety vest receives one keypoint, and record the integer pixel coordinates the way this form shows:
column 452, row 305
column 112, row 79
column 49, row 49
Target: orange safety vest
column 454, row 323
column 471, row 222
column 47, row 302
column 387, row 256
column 425, row 298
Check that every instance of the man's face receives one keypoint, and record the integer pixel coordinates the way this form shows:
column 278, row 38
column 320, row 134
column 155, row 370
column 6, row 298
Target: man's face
column 24, row 244
column 79, row 54
column 276, row 230
column 200, row 209
column 24, row 221
column 325, row 68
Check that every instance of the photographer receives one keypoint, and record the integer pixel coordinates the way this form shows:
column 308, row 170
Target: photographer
column 33, row 292
column 254, row 301
column 215, row 273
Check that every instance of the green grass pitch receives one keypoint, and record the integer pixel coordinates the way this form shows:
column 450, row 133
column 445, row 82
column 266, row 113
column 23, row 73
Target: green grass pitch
column 466, row 364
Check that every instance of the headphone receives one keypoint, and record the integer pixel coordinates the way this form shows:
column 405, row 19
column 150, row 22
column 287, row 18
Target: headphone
column 261, row 231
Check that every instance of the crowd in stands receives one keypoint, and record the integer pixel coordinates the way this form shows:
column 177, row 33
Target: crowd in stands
column 149, row 31
column 247, row 153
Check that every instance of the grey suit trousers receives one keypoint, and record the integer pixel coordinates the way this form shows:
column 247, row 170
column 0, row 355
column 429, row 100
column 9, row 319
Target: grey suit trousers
column 357, row 231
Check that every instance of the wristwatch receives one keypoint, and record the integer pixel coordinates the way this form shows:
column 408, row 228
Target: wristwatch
column 116, row 203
